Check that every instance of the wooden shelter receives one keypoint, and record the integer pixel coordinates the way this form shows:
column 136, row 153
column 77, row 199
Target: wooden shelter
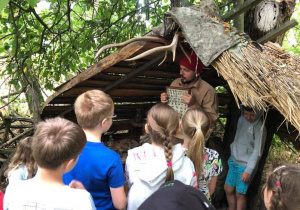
column 135, row 86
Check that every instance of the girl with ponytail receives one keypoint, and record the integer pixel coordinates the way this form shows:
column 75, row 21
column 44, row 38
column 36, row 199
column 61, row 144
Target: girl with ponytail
column 150, row 165
column 282, row 188
column 208, row 165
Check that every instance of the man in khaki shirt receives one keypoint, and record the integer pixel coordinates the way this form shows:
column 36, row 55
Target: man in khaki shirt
column 202, row 94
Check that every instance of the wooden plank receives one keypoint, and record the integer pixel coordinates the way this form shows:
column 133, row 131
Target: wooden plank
column 108, row 61
column 112, row 87
column 171, row 66
column 139, row 79
column 74, row 92
column 134, row 73
column 150, row 73
column 236, row 11
column 102, row 84
column 278, row 31
column 70, row 100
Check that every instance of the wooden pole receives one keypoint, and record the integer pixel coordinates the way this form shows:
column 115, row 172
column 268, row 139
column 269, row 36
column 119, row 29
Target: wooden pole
column 240, row 9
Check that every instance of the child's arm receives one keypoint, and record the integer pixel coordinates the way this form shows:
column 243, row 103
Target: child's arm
column 212, row 184
column 116, row 183
column 217, row 169
column 17, row 174
column 259, row 142
column 118, row 197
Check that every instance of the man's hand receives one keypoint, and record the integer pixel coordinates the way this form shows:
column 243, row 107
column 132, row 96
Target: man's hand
column 76, row 185
column 246, row 177
column 164, row 97
column 188, row 99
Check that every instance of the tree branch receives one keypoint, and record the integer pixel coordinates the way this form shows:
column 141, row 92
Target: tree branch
column 27, row 132
column 9, row 102
column 12, row 94
column 16, row 29
column 6, row 36
column 39, row 18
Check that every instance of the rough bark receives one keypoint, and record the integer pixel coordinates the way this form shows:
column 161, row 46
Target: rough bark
column 175, row 3
column 261, row 16
column 33, row 96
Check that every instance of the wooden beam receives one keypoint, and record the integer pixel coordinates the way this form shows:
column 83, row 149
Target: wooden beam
column 134, row 73
column 238, row 21
column 125, row 79
column 103, row 64
column 276, row 32
column 240, row 10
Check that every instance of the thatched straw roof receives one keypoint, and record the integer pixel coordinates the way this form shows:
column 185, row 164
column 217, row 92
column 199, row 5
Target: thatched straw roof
column 270, row 77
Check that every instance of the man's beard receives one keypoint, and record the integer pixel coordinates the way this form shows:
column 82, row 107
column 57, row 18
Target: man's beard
column 186, row 82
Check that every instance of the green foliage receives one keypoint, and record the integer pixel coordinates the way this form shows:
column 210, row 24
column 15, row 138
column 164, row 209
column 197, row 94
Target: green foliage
column 3, row 4
column 59, row 41
column 291, row 41
column 282, row 152
column 32, row 3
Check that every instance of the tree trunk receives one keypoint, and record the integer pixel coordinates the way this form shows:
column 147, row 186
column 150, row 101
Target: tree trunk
column 175, row 3
column 33, row 96
column 267, row 16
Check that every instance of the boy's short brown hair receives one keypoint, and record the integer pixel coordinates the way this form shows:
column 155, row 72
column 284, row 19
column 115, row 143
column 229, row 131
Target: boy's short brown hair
column 92, row 107
column 56, row 141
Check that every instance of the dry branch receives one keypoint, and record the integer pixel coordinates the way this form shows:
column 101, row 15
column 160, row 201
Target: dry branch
column 28, row 131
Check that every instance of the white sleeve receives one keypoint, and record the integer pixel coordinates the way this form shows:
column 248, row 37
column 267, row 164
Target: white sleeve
column 7, row 198
column 17, row 174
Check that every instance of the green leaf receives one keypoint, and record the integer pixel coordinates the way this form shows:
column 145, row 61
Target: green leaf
column 3, row 3
column 32, row 3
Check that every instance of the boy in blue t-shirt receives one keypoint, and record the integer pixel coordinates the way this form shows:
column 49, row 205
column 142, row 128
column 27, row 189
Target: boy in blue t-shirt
column 99, row 168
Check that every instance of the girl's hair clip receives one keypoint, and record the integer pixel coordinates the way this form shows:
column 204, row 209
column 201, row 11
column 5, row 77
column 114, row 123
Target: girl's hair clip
column 278, row 184
column 198, row 127
column 169, row 164
column 279, row 167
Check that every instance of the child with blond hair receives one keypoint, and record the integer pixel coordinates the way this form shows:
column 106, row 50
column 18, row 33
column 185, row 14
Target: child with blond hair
column 99, row 168
column 56, row 146
column 195, row 126
column 150, row 165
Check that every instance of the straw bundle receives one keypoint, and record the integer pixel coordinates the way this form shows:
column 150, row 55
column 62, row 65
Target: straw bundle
column 263, row 78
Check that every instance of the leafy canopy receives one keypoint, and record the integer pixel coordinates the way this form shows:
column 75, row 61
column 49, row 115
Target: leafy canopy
column 51, row 45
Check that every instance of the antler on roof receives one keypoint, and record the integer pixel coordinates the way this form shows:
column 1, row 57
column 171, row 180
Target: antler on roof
column 171, row 47
column 145, row 38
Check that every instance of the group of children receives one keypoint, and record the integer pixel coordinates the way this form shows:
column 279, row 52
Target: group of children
column 72, row 168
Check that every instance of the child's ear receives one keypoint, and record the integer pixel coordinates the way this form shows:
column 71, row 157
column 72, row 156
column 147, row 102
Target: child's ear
column 103, row 122
column 69, row 164
column 146, row 128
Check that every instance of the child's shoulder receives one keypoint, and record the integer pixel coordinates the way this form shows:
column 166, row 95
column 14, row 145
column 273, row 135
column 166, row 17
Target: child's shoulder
column 143, row 148
column 100, row 148
column 211, row 151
